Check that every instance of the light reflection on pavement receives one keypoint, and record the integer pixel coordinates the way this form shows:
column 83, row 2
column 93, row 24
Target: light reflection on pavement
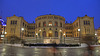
column 19, row 51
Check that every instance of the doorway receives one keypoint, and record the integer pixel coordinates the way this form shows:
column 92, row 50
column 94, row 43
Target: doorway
column 50, row 34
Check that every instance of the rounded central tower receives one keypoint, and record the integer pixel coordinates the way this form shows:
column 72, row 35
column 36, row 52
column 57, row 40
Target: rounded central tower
column 49, row 27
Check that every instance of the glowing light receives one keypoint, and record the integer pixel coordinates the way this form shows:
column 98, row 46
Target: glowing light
column 5, row 32
column 1, row 38
column 36, row 33
column 50, row 32
column 2, row 35
column 97, row 50
column 60, row 30
column 40, row 30
column 22, row 29
column 4, row 25
column 79, row 29
column 99, row 41
column 4, row 49
column 95, row 34
column 64, row 33
column 50, row 24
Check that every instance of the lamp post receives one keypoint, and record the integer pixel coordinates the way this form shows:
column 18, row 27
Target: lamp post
column 96, row 38
column 64, row 38
column 4, row 37
column 22, row 29
column 79, row 35
column 36, row 37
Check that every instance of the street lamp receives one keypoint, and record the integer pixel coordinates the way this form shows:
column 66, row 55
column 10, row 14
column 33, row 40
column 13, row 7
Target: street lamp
column 4, row 36
column 96, row 38
column 79, row 29
column 5, row 32
column 36, row 37
column 22, row 29
column 79, row 35
column 64, row 38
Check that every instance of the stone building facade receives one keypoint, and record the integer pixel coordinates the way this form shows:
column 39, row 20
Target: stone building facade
column 50, row 28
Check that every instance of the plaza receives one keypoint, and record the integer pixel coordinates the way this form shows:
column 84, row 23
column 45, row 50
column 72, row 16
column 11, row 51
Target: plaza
column 46, row 51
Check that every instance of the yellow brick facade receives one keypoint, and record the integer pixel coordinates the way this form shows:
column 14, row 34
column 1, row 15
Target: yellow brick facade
column 50, row 26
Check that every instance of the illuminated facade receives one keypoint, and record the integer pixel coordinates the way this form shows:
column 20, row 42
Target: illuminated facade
column 2, row 30
column 50, row 28
column 97, row 34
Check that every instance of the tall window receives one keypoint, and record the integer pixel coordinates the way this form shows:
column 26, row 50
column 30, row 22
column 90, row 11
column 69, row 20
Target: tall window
column 60, row 24
column 14, row 22
column 56, row 23
column 39, row 24
column 76, row 24
column 86, row 22
column 44, row 34
column 23, row 23
column 44, row 24
column 50, row 23
column 56, row 34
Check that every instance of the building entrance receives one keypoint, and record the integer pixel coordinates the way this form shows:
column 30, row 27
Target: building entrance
column 50, row 34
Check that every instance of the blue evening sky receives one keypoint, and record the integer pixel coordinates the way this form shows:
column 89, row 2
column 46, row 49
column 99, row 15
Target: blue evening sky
column 69, row 9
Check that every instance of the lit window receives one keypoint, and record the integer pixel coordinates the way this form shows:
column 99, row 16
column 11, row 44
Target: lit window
column 44, row 23
column 50, row 23
column 56, row 23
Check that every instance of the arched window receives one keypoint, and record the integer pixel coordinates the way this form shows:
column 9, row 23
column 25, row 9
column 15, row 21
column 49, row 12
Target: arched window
column 44, row 34
column 39, row 24
column 50, row 23
column 56, row 34
column 60, row 24
column 56, row 23
column 44, row 24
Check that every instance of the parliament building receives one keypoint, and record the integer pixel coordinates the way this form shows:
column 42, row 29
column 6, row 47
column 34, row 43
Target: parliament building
column 50, row 28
